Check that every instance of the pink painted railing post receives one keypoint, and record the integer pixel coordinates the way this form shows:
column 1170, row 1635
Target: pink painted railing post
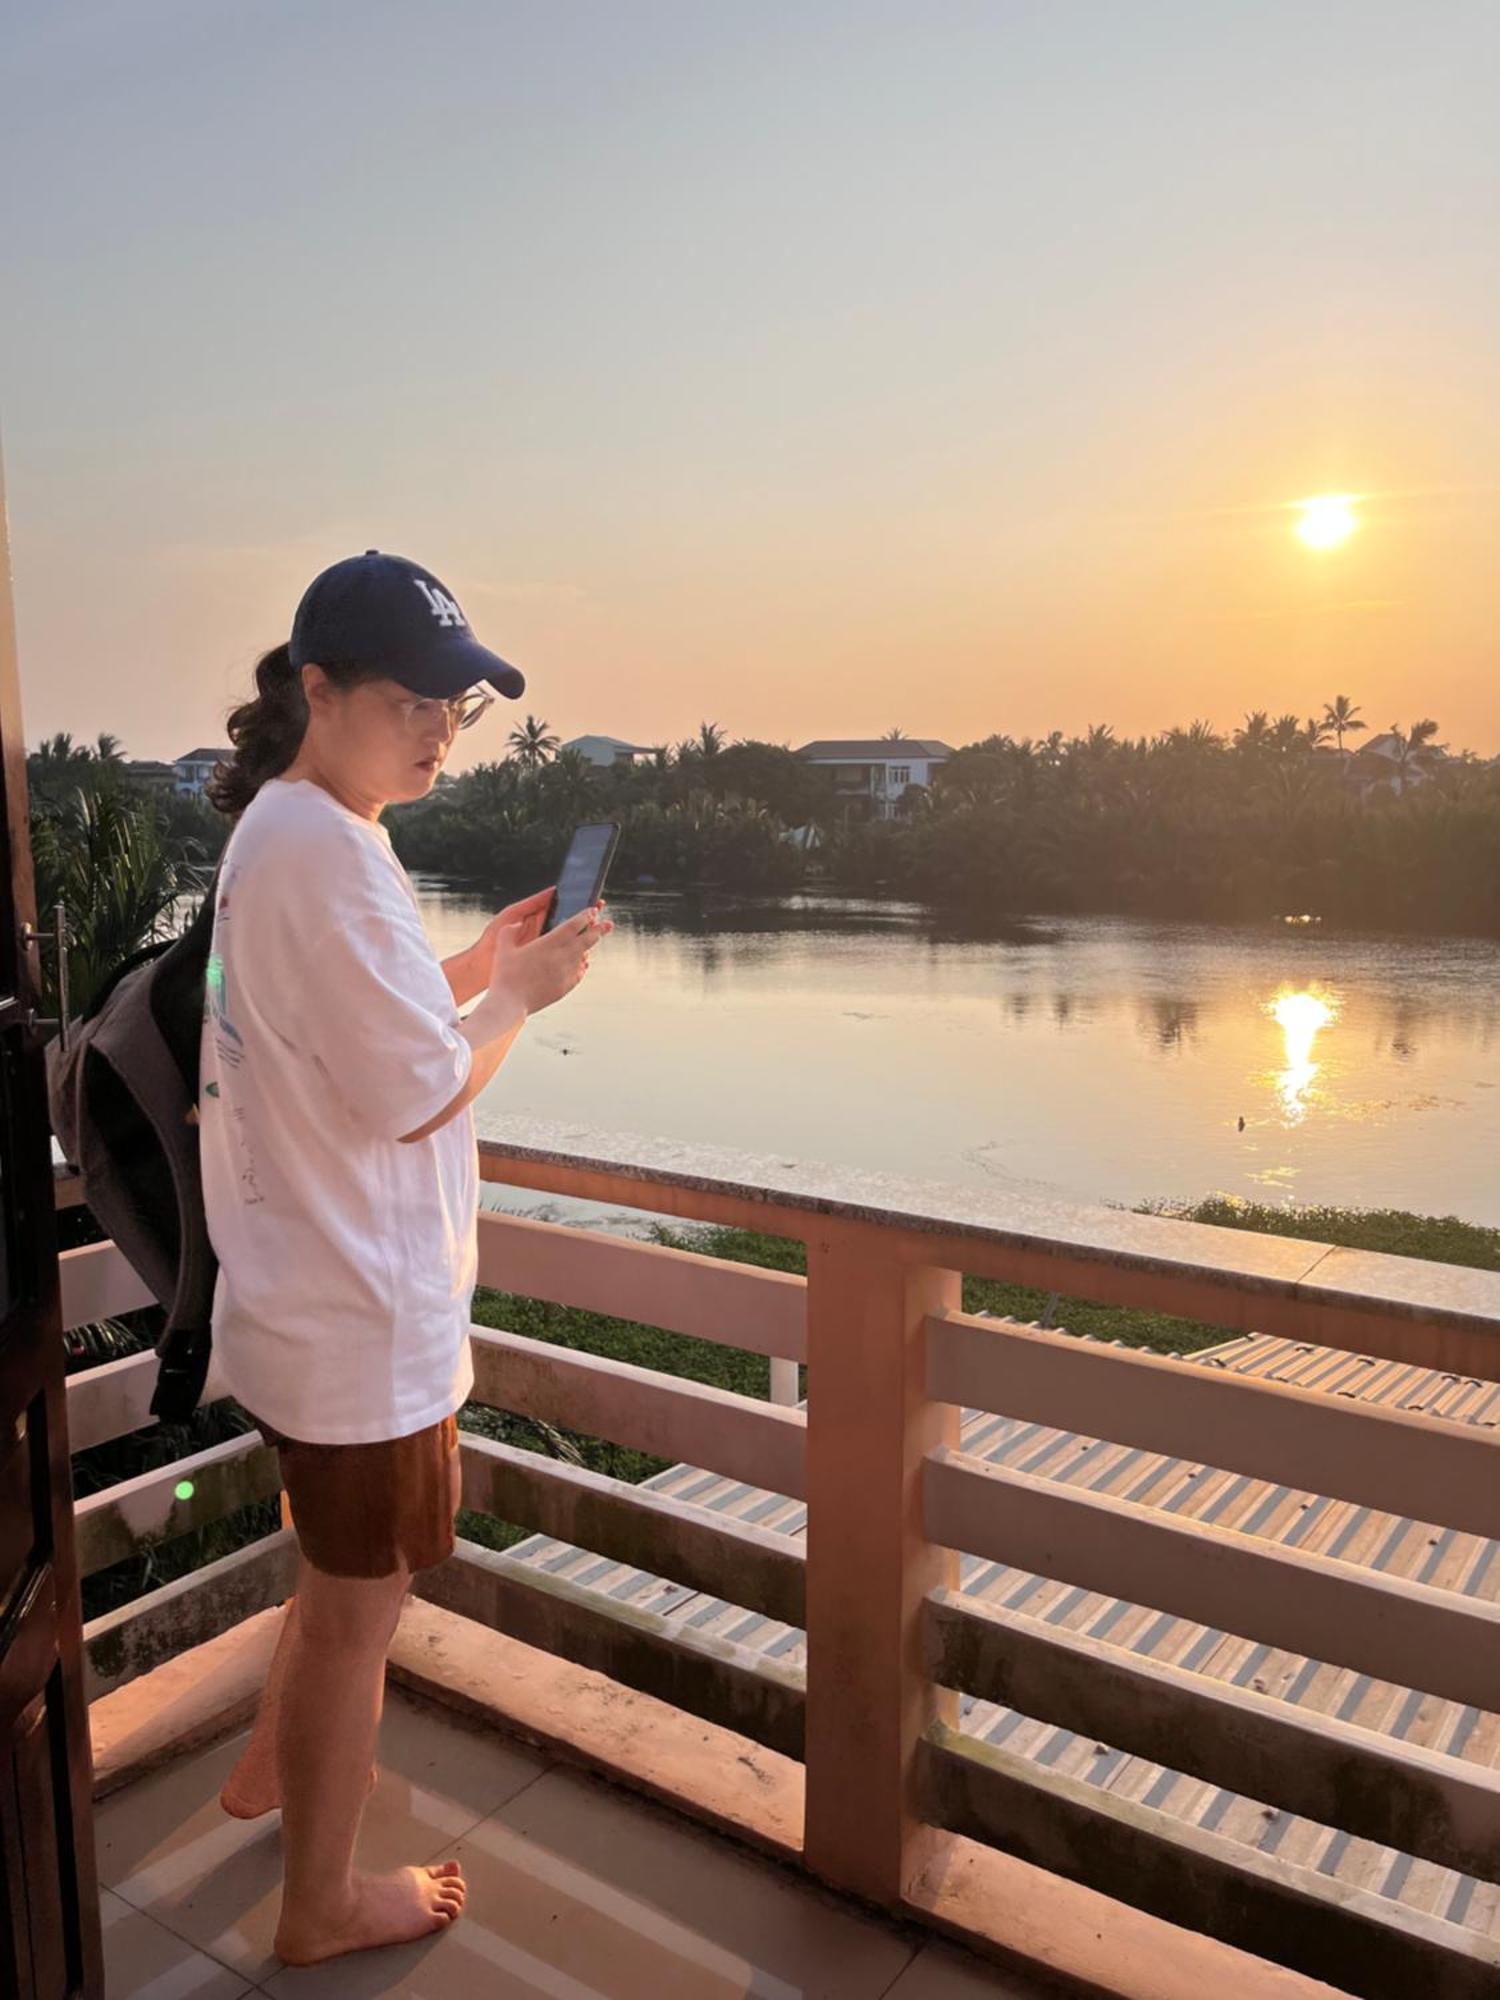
column 869, row 1564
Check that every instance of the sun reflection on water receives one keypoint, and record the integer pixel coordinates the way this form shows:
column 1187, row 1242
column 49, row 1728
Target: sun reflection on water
column 1300, row 1015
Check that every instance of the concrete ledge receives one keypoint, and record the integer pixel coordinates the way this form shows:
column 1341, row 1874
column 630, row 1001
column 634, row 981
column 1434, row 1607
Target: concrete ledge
column 184, row 1703
column 1083, row 1941
column 1075, row 1941
column 1404, row 1308
column 726, row 1781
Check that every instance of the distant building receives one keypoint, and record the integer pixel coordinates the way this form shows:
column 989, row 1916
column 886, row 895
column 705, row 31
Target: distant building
column 604, row 751
column 152, row 772
column 870, row 774
column 196, row 768
column 1377, row 764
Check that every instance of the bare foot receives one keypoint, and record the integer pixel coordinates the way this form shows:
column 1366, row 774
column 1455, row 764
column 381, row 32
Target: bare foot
column 388, row 1909
column 252, row 1788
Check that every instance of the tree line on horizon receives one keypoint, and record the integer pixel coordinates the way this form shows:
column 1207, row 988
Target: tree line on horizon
column 1192, row 823
column 1253, row 824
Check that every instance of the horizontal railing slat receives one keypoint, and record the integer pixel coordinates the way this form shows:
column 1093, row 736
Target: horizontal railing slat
column 682, row 1291
column 97, row 1283
column 713, row 1553
column 1400, row 1308
column 129, row 1641
column 1399, row 1794
column 114, row 1399
column 707, row 1676
column 111, row 1400
column 666, row 1415
column 1396, row 1630
column 120, row 1520
column 1390, row 1459
column 1358, row 1941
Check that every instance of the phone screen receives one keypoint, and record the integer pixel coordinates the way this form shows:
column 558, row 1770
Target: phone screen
column 583, row 870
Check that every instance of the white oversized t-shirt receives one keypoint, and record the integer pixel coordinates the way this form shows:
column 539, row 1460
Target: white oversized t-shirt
column 346, row 1258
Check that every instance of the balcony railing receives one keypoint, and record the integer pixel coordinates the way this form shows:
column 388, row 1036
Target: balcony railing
column 903, row 1805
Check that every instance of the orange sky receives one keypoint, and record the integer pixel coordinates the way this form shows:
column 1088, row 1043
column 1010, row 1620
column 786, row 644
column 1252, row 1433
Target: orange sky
column 846, row 368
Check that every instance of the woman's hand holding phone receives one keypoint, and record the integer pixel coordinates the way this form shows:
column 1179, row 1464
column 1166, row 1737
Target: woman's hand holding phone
column 529, row 969
column 532, row 969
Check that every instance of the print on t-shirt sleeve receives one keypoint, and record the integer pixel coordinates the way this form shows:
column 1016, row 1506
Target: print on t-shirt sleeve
column 228, row 1042
column 375, row 1012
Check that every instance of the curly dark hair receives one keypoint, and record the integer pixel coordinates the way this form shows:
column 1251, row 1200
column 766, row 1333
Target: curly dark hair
column 267, row 730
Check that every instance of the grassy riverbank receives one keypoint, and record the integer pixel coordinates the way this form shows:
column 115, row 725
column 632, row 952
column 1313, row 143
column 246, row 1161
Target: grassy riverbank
column 1444, row 1239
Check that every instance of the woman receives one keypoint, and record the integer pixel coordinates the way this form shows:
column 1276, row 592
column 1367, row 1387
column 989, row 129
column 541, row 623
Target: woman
column 341, row 1187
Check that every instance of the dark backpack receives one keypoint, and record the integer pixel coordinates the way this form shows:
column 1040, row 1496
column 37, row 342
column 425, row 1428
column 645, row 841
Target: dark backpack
column 124, row 1103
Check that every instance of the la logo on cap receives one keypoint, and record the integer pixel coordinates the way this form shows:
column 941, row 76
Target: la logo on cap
column 440, row 604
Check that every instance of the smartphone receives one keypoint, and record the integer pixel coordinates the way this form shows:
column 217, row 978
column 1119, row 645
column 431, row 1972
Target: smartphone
column 584, row 868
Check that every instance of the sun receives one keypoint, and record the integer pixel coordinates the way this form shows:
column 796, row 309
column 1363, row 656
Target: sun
column 1326, row 520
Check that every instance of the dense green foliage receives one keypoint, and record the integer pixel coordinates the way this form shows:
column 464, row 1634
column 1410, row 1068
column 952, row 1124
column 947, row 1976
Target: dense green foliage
column 119, row 855
column 1262, row 823
column 692, row 818
column 1192, row 826
column 1189, row 824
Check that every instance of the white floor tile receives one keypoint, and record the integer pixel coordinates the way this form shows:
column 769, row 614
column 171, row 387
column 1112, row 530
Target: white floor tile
column 579, row 1892
column 167, row 1847
column 938, row 1973
column 145, row 1961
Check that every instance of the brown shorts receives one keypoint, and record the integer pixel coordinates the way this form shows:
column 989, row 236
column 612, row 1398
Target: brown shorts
column 370, row 1509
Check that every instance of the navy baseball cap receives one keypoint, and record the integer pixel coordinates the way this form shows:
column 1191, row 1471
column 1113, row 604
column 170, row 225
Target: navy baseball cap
column 391, row 614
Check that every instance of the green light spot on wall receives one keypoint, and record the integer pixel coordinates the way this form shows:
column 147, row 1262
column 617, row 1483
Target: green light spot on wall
column 184, row 1489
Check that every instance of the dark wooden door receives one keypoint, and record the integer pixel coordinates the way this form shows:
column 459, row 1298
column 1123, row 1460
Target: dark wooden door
column 49, row 1902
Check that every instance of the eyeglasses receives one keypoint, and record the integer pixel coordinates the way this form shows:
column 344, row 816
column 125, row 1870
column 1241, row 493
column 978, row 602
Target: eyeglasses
column 421, row 711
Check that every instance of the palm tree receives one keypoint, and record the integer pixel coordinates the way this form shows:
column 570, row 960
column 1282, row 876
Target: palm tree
column 895, row 736
column 710, row 739
column 1285, row 733
column 533, row 743
column 570, row 784
column 1415, row 754
column 109, row 749
column 108, row 858
column 1341, row 716
column 1255, row 734
column 62, row 750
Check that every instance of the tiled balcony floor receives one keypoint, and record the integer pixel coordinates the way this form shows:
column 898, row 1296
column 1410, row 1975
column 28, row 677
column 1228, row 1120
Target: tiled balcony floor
column 577, row 1891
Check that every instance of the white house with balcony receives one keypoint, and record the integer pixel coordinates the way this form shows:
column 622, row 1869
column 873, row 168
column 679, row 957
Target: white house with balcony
column 1386, row 763
column 604, row 751
column 870, row 774
column 195, row 769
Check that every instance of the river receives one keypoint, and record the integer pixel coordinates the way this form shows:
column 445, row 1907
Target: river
column 1103, row 1058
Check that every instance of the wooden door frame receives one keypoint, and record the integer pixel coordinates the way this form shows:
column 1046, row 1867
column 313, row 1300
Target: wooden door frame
column 41, row 1629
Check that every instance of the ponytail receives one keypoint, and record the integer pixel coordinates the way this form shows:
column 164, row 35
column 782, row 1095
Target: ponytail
column 267, row 730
